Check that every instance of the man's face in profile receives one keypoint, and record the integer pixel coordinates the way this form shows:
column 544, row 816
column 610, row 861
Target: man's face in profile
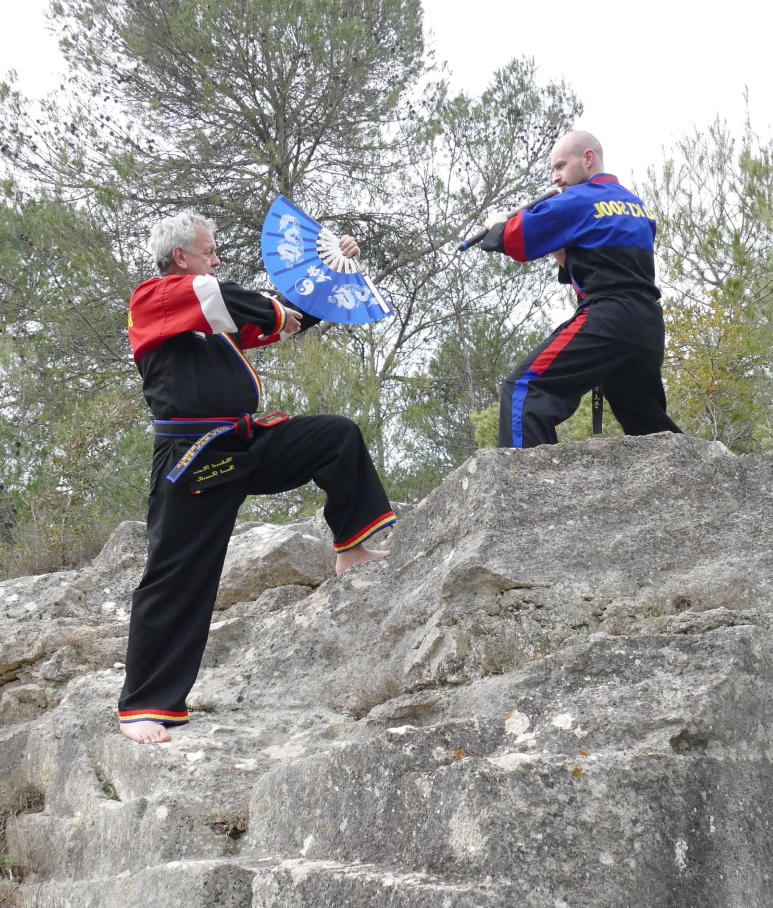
column 569, row 166
column 202, row 259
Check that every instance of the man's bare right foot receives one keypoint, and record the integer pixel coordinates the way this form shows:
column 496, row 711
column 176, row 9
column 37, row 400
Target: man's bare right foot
column 357, row 555
column 146, row 732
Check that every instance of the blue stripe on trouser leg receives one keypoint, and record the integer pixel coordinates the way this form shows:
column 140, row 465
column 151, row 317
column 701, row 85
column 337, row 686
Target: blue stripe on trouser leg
column 520, row 391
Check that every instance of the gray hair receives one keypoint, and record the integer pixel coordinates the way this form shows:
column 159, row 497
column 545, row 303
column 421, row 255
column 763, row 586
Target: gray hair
column 173, row 232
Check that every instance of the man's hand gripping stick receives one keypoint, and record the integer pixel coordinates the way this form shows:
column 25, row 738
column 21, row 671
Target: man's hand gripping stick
column 477, row 237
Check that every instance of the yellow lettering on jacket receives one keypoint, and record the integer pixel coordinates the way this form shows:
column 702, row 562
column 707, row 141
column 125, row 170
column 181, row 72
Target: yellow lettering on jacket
column 631, row 209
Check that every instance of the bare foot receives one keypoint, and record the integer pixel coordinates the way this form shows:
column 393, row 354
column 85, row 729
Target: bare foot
column 146, row 732
column 359, row 553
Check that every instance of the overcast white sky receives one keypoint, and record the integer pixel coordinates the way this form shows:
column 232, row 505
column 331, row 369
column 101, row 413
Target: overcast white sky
column 647, row 72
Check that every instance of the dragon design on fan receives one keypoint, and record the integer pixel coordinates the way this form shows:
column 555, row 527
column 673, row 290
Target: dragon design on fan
column 348, row 295
column 291, row 250
column 305, row 262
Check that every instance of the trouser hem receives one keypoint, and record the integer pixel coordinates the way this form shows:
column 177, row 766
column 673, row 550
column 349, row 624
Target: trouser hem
column 162, row 716
column 371, row 529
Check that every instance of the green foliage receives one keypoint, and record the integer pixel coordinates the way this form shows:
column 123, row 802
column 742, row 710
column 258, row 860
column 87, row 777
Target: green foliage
column 717, row 369
column 465, row 373
column 579, row 427
column 320, row 375
column 92, row 473
column 713, row 205
column 485, row 424
column 221, row 105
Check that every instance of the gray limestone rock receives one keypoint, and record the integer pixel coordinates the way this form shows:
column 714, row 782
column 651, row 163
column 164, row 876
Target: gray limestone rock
column 554, row 693
column 177, row 884
column 126, row 542
column 269, row 556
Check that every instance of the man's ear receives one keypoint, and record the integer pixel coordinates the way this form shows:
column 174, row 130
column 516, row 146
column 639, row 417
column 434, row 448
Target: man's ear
column 178, row 255
column 589, row 158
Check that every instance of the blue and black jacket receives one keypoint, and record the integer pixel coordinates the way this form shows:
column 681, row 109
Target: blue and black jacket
column 608, row 236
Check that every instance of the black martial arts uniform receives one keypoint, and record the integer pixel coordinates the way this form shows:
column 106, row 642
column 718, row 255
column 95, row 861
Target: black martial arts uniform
column 615, row 339
column 187, row 334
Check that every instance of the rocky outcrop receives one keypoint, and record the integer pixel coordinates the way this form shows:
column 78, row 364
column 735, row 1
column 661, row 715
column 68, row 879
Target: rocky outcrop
column 270, row 557
column 554, row 693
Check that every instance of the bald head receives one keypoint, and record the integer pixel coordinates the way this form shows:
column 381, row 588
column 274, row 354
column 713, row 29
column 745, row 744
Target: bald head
column 576, row 157
column 579, row 141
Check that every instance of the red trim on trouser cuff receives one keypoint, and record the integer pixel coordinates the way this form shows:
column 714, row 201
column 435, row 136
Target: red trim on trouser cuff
column 153, row 715
column 551, row 352
column 512, row 238
column 373, row 527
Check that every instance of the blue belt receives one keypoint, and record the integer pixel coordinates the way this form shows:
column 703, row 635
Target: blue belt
column 205, row 431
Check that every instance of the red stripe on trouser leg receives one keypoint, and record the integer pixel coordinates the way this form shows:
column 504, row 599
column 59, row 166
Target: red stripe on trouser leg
column 550, row 353
column 533, row 404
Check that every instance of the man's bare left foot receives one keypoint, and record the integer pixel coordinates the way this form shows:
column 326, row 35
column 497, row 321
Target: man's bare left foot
column 146, row 732
column 358, row 554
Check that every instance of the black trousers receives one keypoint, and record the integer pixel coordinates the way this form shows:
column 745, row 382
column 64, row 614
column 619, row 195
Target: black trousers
column 188, row 536
column 547, row 387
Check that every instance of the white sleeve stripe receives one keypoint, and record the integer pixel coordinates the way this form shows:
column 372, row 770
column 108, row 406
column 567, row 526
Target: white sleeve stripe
column 207, row 290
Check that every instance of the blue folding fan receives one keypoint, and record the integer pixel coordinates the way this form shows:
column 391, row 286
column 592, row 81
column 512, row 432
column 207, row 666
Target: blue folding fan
column 305, row 263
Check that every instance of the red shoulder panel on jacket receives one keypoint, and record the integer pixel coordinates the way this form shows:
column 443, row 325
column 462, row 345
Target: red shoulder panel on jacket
column 161, row 308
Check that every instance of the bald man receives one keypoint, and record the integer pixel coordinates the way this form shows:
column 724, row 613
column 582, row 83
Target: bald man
column 602, row 236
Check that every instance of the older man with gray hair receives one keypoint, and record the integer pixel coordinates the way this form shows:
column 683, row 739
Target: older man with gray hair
column 188, row 332
column 602, row 236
